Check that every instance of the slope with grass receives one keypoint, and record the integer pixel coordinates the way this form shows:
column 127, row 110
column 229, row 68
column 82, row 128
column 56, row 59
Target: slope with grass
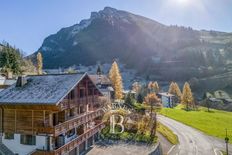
column 212, row 123
column 167, row 133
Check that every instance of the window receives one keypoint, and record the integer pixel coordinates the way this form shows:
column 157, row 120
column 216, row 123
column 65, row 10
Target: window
column 82, row 93
column 72, row 94
column 70, row 133
column 27, row 139
column 71, row 112
column 9, row 136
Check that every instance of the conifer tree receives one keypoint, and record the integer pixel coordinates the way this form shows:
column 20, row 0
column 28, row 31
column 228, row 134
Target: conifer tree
column 39, row 63
column 140, row 98
column 99, row 71
column 116, row 80
column 153, row 87
column 187, row 97
column 178, row 91
column 175, row 90
column 171, row 89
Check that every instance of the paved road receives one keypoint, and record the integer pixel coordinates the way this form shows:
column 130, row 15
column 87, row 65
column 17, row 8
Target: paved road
column 192, row 141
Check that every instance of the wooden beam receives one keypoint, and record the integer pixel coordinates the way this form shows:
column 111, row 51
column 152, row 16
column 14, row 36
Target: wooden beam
column 32, row 121
column 15, row 120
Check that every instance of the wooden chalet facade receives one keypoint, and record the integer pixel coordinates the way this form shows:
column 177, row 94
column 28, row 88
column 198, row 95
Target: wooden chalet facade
column 51, row 114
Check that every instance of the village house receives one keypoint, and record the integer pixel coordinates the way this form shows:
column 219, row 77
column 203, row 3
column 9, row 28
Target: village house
column 167, row 99
column 58, row 114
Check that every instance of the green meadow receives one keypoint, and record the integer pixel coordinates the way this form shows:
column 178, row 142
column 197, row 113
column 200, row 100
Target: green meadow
column 212, row 123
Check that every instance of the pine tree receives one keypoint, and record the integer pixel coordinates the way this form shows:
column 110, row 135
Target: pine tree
column 187, row 97
column 39, row 63
column 116, row 80
column 99, row 71
column 140, row 98
column 10, row 60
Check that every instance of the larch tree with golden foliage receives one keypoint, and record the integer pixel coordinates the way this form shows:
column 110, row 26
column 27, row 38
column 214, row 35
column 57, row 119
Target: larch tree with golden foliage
column 116, row 80
column 39, row 63
column 187, row 97
column 175, row 90
column 171, row 89
column 153, row 87
column 178, row 91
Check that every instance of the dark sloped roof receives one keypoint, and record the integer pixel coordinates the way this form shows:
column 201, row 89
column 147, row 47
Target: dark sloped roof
column 100, row 79
column 43, row 89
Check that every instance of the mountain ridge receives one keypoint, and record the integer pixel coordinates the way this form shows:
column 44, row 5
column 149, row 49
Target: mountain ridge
column 160, row 51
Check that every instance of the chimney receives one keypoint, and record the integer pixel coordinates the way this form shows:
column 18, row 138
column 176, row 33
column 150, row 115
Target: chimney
column 21, row 81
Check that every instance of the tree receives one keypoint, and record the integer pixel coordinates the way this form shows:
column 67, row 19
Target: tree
column 136, row 87
column 116, row 80
column 129, row 99
column 140, row 98
column 39, row 63
column 187, row 97
column 153, row 87
column 156, row 87
column 178, row 92
column 99, row 71
column 153, row 100
column 175, row 90
column 10, row 59
column 208, row 104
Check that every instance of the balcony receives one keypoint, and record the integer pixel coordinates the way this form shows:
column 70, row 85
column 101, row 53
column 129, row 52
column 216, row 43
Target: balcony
column 73, row 143
column 76, row 121
column 67, row 103
column 71, row 123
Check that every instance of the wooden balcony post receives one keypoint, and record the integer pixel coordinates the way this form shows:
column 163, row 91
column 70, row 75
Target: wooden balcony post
column 50, row 122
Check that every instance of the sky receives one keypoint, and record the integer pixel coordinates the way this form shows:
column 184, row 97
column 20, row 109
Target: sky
column 27, row 23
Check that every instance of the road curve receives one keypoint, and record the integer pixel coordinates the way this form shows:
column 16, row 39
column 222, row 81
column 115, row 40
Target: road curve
column 192, row 141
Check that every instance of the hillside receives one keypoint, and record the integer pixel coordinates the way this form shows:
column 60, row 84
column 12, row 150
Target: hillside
column 162, row 52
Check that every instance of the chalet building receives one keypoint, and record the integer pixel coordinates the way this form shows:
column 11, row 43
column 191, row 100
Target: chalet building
column 104, row 84
column 50, row 115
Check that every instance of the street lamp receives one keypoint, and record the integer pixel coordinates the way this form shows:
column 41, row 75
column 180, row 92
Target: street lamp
column 227, row 141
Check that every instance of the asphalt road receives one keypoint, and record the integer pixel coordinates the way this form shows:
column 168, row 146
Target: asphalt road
column 192, row 141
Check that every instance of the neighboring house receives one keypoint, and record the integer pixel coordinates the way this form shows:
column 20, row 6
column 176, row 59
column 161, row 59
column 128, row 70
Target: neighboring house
column 131, row 92
column 167, row 99
column 104, row 84
column 2, row 79
column 51, row 114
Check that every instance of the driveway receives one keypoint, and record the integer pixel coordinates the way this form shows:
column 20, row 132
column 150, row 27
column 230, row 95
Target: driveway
column 192, row 141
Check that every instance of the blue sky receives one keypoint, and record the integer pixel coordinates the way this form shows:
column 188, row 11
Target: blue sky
column 26, row 23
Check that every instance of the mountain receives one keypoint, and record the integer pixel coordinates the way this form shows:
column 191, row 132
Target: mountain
column 156, row 50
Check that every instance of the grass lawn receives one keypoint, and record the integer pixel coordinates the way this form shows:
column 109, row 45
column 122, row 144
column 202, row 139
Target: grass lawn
column 212, row 123
column 167, row 133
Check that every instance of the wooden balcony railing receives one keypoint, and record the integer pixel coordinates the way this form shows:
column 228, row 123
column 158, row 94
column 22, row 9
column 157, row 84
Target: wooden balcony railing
column 72, row 144
column 67, row 103
column 70, row 124
column 76, row 121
